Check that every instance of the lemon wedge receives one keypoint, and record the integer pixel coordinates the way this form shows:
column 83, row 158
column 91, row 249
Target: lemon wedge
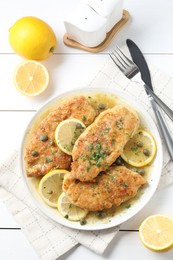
column 67, row 133
column 156, row 232
column 31, row 78
column 70, row 211
column 50, row 186
column 140, row 149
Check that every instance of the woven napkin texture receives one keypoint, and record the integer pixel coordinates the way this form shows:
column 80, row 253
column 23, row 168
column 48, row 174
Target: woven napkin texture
column 49, row 239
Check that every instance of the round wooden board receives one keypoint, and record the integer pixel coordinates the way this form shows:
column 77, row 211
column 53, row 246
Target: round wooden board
column 106, row 42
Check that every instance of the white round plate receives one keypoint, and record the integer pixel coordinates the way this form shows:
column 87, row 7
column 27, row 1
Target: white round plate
column 148, row 190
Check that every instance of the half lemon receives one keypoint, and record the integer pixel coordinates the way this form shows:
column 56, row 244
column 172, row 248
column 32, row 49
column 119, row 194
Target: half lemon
column 156, row 232
column 31, row 78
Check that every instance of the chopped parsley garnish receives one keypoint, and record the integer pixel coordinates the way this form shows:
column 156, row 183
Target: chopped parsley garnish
column 98, row 146
column 119, row 125
column 57, row 119
column 134, row 148
column 75, row 133
column 90, row 146
column 113, row 141
column 97, row 156
column 84, row 118
column 125, row 184
column 88, row 168
column 113, row 178
column 48, row 159
column 105, row 131
column 55, row 151
column 128, row 206
column 83, row 158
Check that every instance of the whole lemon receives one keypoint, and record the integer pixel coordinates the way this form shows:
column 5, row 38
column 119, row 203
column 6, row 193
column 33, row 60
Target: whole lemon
column 32, row 38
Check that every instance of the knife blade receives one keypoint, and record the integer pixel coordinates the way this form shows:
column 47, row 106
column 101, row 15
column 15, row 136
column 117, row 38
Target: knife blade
column 140, row 61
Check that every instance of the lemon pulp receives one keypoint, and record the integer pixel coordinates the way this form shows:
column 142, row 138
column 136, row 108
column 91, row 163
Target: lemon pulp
column 67, row 133
column 31, row 78
column 70, row 211
column 50, row 186
column 140, row 149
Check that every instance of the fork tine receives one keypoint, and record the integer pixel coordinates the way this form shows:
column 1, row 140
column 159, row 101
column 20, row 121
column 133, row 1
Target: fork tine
column 119, row 58
column 125, row 57
column 116, row 63
column 119, row 53
column 125, row 65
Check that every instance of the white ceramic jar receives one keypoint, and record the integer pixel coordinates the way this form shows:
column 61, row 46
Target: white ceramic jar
column 86, row 26
column 112, row 10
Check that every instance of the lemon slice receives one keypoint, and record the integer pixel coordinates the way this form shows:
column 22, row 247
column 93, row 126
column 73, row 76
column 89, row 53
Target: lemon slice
column 31, row 78
column 140, row 149
column 70, row 211
column 50, row 186
column 67, row 133
column 156, row 232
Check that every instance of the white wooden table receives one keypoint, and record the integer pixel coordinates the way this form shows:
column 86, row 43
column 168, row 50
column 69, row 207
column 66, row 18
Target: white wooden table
column 151, row 27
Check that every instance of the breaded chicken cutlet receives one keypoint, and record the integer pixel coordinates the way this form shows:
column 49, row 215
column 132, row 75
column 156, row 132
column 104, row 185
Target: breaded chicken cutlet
column 103, row 141
column 41, row 152
column 113, row 187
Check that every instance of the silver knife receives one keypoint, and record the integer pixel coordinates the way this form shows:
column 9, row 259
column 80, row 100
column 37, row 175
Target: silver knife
column 140, row 61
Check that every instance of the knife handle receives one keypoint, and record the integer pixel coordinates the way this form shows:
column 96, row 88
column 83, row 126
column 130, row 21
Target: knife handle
column 163, row 128
column 165, row 108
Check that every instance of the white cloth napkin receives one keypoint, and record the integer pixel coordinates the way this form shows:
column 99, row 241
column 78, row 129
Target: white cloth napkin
column 49, row 239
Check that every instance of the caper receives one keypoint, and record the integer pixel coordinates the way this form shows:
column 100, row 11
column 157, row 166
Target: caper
column 83, row 221
column 101, row 106
column 43, row 138
column 34, row 153
column 146, row 152
column 100, row 214
column 139, row 144
column 140, row 171
column 79, row 126
column 119, row 161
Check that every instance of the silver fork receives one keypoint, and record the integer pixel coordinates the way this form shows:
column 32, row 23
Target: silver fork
column 129, row 69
